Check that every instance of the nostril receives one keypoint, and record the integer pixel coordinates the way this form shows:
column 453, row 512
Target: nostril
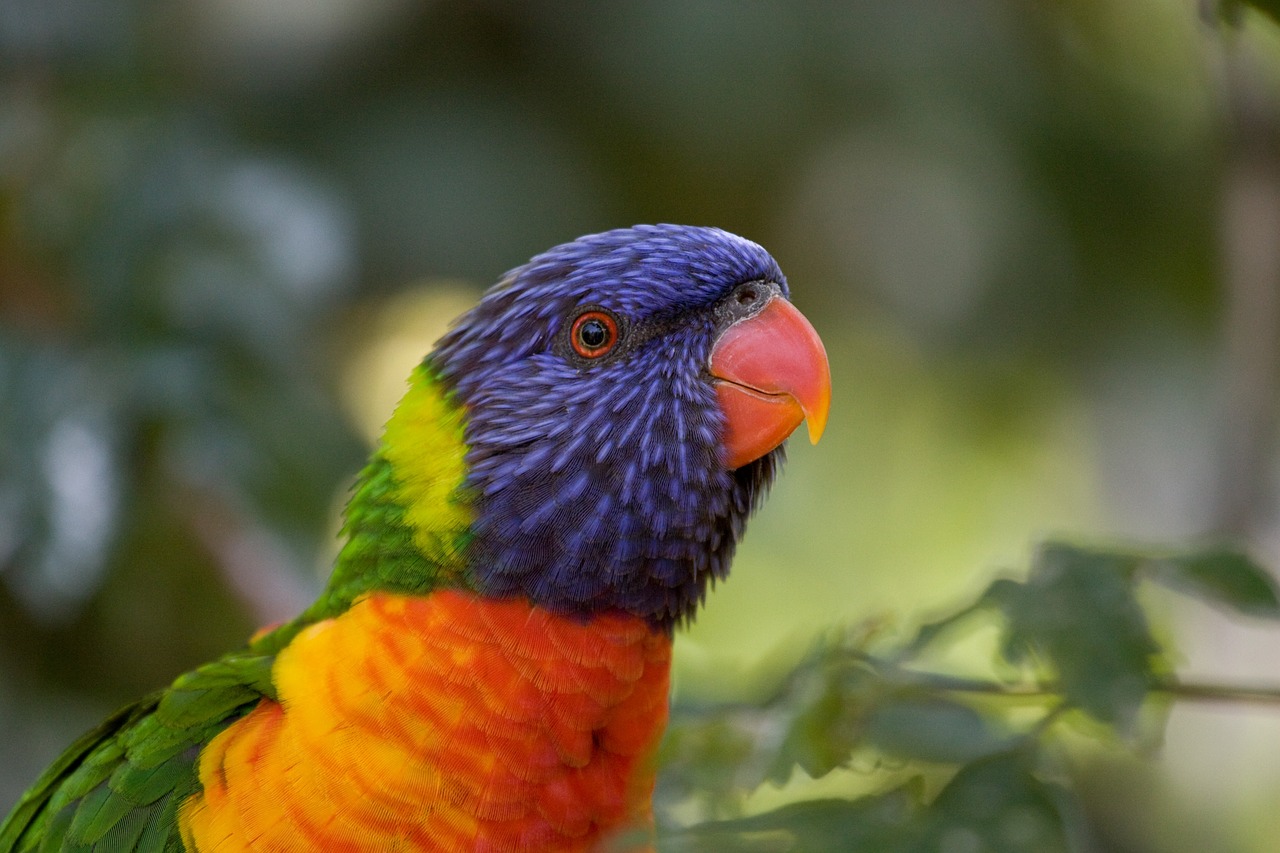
column 746, row 299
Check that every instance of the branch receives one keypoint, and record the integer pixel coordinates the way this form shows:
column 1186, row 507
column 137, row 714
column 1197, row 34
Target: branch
column 1190, row 691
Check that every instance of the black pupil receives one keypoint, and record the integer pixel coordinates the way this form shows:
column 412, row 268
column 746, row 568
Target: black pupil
column 593, row 334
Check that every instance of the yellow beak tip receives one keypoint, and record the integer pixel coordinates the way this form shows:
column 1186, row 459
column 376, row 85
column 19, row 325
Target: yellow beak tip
column 815, row 431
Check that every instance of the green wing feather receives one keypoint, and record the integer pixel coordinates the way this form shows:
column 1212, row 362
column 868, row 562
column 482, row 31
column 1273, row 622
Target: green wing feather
column 118, row 788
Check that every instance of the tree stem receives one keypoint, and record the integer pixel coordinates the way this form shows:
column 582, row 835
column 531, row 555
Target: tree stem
column 1189, row 691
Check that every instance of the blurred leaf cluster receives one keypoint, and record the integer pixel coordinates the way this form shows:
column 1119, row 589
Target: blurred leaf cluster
column 160, row 387
column 957, row 761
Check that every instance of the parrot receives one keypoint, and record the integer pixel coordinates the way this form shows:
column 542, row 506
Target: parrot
column 487, row 668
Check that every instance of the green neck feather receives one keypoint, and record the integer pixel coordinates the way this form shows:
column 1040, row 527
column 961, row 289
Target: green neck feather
column 409, row 519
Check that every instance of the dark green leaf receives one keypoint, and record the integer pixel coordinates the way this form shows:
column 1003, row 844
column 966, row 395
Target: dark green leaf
column 935, row 729
column 1077, row 613
column 877, row 824
column 828, row 715
column 707, row 756
column 932, row 631
column 819, row 740
column 997, row 805
column 1228, row 578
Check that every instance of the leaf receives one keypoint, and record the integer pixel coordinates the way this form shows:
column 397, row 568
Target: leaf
column 931, row 632
column 884, row 823
column 1078, row 614
column 819, row 738
column 997, row 805
column 828, row 714
column 1228, row 578
column 708, row 754
column 934, row 729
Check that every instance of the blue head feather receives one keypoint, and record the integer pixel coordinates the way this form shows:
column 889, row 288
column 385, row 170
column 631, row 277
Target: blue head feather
column 599, row 486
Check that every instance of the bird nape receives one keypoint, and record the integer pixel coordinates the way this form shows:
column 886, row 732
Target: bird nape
column 487, row 668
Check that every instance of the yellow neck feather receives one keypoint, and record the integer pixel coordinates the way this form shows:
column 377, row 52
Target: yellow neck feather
column 425, row 444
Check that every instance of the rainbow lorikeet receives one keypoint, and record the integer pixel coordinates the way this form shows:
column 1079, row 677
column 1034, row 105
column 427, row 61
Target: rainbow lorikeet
column 487, row 668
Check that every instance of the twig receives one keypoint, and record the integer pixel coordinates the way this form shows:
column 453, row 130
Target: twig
column 1190, row 691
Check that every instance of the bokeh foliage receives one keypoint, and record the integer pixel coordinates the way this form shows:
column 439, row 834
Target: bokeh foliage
column 989, row 762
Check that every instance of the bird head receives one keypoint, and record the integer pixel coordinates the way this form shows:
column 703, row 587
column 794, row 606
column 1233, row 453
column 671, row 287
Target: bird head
column 626, row 400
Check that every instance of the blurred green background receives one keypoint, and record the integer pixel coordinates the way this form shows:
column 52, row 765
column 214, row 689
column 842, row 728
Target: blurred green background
column 1041, row 241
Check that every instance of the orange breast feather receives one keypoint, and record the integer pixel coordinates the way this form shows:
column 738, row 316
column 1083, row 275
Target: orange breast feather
column 442, row 723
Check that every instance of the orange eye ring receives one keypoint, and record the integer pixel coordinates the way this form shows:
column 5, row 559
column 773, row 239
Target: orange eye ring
column 593, row 334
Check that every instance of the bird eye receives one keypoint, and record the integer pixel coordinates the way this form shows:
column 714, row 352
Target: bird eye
column 593, row 334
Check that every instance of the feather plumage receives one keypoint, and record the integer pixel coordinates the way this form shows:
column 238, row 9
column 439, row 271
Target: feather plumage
column 487, row 668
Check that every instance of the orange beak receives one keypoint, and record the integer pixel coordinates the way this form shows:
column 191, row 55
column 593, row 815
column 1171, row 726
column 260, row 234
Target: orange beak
column 772, row 374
